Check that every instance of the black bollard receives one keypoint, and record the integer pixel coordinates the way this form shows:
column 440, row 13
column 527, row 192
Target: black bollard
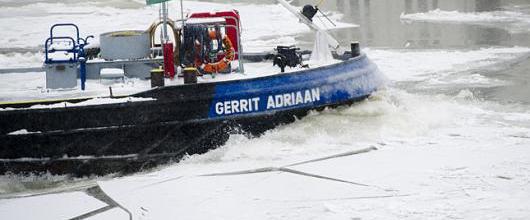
column 190, row 75
column 355, row 49
column 157, row 78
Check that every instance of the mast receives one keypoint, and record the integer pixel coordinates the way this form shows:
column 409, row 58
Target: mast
column 182, row 14
column 164, row 25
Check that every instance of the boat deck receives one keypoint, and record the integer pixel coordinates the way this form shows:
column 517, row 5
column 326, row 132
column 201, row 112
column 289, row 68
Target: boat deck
column 31, row 86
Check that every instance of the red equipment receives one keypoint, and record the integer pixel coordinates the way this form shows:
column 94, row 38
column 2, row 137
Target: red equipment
column 169, row 64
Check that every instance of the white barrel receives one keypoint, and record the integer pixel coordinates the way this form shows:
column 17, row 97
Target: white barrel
column 120, row 45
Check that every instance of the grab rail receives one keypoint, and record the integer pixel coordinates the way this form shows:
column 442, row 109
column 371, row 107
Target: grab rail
column 72, row 50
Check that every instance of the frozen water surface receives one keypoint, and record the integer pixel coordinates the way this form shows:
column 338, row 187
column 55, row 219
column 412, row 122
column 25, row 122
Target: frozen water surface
column 452, row 127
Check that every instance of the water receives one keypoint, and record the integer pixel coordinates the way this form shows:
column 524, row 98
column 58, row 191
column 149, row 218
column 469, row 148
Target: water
column 381, row 27
column 458, row 85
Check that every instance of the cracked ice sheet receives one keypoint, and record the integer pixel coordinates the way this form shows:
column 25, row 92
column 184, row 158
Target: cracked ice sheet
column 466, row 177
column 272, row 195
column 52, row 207
column 464, row 181
column 512, row 21
column 438, row 65
column 113, row 214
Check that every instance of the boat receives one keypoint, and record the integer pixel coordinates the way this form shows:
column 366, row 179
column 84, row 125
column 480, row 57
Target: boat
column 178, row 112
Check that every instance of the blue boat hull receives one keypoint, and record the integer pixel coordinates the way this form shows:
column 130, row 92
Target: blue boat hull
column 311, row 88
column 181, row 120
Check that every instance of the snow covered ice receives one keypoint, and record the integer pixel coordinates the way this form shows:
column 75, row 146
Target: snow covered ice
column 452, row 136
column 511, row 20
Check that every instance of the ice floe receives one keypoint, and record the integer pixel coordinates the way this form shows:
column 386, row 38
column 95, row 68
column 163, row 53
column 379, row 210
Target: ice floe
column 512, row 21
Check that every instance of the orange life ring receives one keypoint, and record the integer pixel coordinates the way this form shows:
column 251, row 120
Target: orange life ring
column 223, row 64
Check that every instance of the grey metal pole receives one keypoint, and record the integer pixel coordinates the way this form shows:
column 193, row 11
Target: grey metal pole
column 182, row 13
column 164, row 15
